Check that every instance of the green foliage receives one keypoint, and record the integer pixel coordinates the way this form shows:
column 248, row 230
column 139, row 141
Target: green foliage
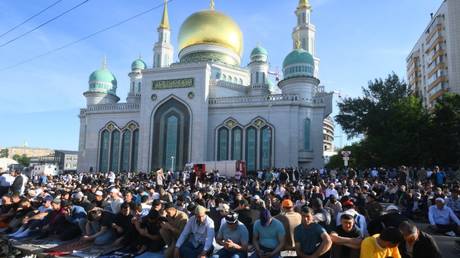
column 446, row 130
column 4, row 153
column 22, row 159
column 397, row 130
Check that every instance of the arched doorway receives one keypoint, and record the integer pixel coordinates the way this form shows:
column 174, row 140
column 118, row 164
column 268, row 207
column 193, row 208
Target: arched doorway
column 171, row 135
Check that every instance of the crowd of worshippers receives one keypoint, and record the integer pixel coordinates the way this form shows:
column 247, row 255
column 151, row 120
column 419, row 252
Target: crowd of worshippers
column 314, row 213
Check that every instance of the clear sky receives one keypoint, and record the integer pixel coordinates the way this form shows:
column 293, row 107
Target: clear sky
column 357, row 41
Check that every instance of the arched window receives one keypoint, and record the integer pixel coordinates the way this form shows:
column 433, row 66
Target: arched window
column 222, row 144
column 224, row 77
column 125, row 150
column 172, row 132
column 115, row 151
column 265, row 147
column 104, row 151
column 134, row 150
column 139, row 87
column 306, row 135
column 251, row 148
column 237, row 143
column 241, row 81
column 230, row 78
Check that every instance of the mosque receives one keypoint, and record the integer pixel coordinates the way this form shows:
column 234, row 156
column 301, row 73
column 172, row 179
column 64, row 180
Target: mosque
column 207, row 105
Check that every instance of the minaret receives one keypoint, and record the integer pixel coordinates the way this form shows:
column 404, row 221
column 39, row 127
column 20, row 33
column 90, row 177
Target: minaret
column 163, row 50
column 135, row 82
column 305, row 31
column 258, row 67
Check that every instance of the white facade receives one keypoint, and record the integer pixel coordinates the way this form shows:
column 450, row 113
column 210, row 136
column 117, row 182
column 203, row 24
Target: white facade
column 206, row 110
column 433, row 66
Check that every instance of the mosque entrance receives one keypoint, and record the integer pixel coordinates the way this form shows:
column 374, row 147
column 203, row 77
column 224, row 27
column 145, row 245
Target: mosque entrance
column 171, row 136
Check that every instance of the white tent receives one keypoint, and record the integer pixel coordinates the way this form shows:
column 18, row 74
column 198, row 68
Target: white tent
column 5, row 162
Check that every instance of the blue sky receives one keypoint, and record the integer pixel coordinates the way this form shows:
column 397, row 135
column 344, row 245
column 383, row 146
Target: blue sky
column 357, row 41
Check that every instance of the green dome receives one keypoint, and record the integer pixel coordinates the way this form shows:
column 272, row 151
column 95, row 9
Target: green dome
column 259, row 51
column 103, row 81
column 259, row 54
column 298, row 56
column 298, row 63
column 138, row 64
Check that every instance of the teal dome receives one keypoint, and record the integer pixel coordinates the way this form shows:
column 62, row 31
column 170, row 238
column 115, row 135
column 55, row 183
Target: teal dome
column 259, row 54
column 259, row 51
column 138, row 64
column 103, row 81
column 298, row 56
column 298, row 63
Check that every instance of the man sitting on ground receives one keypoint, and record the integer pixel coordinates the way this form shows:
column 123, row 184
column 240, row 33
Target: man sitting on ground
column 442, row 219
column 382, row 245
column 234, row 238
column 311, row 239
column 99, row 226
column 290, row 220
column 268, row 236
column 196, row 240
column 417, row 243
column 346, row 238
column 171, row 229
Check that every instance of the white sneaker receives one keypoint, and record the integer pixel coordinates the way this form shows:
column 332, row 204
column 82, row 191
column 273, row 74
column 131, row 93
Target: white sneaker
column 451, row 233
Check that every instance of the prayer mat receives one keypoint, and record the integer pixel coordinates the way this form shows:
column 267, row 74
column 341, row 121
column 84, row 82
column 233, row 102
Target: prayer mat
column 71, row 246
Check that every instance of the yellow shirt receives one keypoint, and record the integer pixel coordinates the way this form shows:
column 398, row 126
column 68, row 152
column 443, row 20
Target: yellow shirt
column 371, row 249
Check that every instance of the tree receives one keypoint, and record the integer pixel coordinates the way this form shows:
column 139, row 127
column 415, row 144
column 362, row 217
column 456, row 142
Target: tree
column 394, row 124
column 22, row 159
column 446, row 130
column 368, row 114
column 4, row 153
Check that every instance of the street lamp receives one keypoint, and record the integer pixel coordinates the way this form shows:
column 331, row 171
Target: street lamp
column 172, row 163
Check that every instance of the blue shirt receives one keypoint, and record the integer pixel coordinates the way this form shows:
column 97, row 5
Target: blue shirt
column 200, row 234
column 309, row 237
column 440, row 178
column 444, row 216
column 239, row 236
column 269, row 235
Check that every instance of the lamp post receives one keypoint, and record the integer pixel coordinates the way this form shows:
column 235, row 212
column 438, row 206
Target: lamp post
column 172, row 163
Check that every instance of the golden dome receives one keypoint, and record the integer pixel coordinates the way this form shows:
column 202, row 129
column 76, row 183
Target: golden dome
column 211, row 27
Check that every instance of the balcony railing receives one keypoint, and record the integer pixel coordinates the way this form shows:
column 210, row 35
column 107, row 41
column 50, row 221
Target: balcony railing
column 276, row 98
column 118, row 107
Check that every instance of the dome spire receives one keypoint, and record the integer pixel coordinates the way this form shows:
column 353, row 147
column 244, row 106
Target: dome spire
column 165, row 18
column 304, row 4
column 104, row 62
column 212, row 5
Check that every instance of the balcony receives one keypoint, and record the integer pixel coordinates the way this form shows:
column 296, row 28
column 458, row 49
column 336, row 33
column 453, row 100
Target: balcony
column 438, row 94
column 110, row 108
column 276, row 98
column 439, row 80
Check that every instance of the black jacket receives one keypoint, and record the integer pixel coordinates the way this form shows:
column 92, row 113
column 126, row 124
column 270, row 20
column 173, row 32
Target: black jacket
column 17, row 184
column 424, row 247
